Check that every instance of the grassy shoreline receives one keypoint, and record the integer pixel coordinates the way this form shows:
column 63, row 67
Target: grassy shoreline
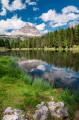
column 17, row 91
column 60, row 49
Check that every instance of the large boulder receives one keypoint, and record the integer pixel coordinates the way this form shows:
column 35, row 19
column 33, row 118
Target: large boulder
column 41, row 113
column 13, row 114
column 57, row 109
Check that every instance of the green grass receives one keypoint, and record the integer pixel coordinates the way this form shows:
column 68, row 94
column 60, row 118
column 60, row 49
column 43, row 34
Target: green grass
column 71, row 100
column 17, row 90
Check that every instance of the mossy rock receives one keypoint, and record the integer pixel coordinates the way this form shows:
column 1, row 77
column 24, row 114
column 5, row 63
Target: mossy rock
column 56, row 108
column 54, row 118
column 58, row 91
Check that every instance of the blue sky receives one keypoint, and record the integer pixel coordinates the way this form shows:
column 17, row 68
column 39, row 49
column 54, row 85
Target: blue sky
column 47, row 15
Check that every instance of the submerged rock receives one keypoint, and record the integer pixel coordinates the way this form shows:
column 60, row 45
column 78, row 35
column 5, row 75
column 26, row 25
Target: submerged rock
column 57, row 109
column 42, row 112
column 13, row 114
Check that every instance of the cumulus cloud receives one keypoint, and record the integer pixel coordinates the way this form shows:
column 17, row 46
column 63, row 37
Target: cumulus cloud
column 30, row 3
column 42, row 29
column 41, row 26
column 70, row 9
column 69, row 13
column 57, row 24
column 45, row 31
column 35, row 18
column 73, row 22
column 15, row 5
column 14, row 23
column 3, row 12
column 35, row 9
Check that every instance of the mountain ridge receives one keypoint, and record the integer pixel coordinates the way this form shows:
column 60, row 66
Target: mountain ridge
column 28, row 30
column 73, row 25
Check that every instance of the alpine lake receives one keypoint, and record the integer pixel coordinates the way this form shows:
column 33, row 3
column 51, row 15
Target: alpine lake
column 61, row 69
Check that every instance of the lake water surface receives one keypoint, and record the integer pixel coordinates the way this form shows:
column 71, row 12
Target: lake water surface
column 59, row 68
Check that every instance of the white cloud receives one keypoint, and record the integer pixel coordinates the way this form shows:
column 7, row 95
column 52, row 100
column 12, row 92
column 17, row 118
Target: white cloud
column 41, row 26
column 14, row 24
column 35, row 18
column 70, row 9
column 55, row 19
column 30, row 3
column 57, row 24
column 45, row 31
column 74, row 22
column 3, row 12
column 11, row 24
column 35, row 9
column 16, row 5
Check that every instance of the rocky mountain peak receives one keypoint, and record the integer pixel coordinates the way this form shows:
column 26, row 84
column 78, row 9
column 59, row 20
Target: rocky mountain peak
column 28, row 30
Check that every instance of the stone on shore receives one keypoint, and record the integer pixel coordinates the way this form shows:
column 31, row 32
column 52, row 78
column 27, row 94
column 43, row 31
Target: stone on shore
column 13, row 114
column 57, row 109
column 42, row 112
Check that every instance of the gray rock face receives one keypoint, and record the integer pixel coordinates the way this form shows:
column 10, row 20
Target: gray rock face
column 73, row 25
column 9, row 111
column 28, row 30
column 13, row 114
column 42, row 112
column 57, row 109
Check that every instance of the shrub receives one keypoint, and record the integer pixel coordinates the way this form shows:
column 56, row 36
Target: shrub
column 27, row 79
column 41, row 84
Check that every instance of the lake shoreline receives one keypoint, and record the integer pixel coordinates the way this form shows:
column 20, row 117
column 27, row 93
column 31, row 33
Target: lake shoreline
column 74, row 49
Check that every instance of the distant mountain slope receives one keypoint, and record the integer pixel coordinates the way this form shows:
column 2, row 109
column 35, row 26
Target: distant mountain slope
column 28, row 30
column 73, row 25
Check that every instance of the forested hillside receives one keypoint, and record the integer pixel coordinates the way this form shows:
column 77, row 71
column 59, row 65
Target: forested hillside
column 58, row 38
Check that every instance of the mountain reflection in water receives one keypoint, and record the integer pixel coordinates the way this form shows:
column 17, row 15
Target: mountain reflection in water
column 60, row 68
column 61, row 77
